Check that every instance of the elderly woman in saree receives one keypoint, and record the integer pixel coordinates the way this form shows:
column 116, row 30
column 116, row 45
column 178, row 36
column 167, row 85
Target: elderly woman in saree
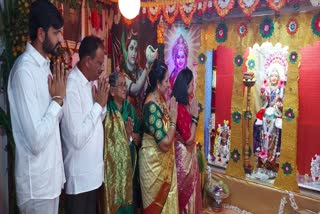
column 121, row 136
column 189, row 186
column 158, row 176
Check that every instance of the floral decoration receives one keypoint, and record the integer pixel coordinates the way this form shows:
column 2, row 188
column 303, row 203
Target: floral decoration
column 221, row 32
column 248, row 6
column 236, row 117
column 276, row 5
column 266, row 28
column 292, row 26
column 202, row 58
column 289, row 114
column 223, row 7
column 287, row 168
column 154, row 13
column 293, row 57
column 247, row 114
column 187, row 11
column 251, row 64
column 170, row 13
column 235, row 155
column 238, row 60
column 242, row 29
column 315, row 24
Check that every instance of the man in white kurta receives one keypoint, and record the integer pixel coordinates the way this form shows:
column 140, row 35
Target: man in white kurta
column 82, row 129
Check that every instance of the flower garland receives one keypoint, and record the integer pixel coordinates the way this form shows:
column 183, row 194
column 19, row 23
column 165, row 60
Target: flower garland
column 315, row 24
column 266, row 28
column 170, row 9
column 187, row 11
column 223, row 7
column 276, row 5
column 202, row 7
column 242, row 29
column 248, row 6
column 292, row 26
column 293, row 57
column 287, row 168
column 221, row 32
column 153, row 13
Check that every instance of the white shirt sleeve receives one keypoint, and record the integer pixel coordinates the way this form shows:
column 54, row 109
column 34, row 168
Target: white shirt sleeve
column 80, row 127
column 37, row 127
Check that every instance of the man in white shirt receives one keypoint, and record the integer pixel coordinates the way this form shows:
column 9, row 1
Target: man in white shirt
column 36, row 98
column 82, row 130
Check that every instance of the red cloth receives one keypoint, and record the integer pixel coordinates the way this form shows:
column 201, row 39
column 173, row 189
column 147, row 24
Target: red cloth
column 224, row 83
column 184, row 122
column 309, row 102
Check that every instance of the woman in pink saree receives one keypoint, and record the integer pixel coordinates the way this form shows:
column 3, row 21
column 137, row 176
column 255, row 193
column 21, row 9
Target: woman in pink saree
column 189, row 185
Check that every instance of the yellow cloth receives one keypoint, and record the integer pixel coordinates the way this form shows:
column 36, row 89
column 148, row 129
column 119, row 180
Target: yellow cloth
column 157, row 169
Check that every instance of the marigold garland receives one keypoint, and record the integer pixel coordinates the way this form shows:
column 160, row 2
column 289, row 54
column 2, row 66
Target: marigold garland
column 315, row 24
column 292, row 26
column 173, row 15
column 202, row 7
column 153, row 13
column 187, row 17
column 248, row 6
column 223, row 7
column 276, row 5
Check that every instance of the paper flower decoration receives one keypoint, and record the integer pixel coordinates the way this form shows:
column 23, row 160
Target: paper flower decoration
column 266, row 28
column 287, row 168
column 289, row 114
column 202, row 58
column 236, row 117
column 292, row 26
column 221, row 32
column 293, row 57
column 242, row 29
column 238, row 60
column 235, row 155
column 315, row 24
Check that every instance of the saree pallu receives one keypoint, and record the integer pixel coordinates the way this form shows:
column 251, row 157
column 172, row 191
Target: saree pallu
column 118, row 165
column 188, row 177
column 158, row 178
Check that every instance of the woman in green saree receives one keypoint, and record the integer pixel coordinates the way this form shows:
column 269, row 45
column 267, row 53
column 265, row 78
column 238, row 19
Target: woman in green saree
column 121, row 136
column 158, row 176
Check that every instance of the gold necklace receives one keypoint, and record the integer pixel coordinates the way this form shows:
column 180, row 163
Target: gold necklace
column 162, row 105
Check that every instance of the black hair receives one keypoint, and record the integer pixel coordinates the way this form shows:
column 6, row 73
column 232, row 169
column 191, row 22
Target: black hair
column 89, row 46
column 180, row 87
column 156, row 74
column 45, row 15
column 113, row 78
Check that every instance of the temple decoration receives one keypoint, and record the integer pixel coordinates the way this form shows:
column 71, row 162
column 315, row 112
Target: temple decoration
column 248, row 6
column 236, row 117
column 315, row 24
column 202, row 7
column 187, row 11
column 129, row 8
column 242, row 29
column 315, row 168
column 223, row 7
column 222, row 145
column 221, row 32
column 315, row 3
column 238, row 60
column 276, row 5
column 266, row 28
column 293, row 57
column 292, row 26
column 170, row 13
column 154, row 13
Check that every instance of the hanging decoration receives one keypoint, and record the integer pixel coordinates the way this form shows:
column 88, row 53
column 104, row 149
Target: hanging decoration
column 235, row 155
column 144, row 13
column 292, row 26
column 223, row 7
column 248, row 6
column 221, row 32
column 266, row 28
column 236, row 117
column 154, row 13
column 287, row 168
column 293, row 57
column 187, row 11
column 129, row 8
column 315, row 3
column 315, row 24
column 242, row 29
column 202, row 58
column 276, row 5
column 289, row 114
column 170, row 13
column 238, row 60
column 202, row 7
